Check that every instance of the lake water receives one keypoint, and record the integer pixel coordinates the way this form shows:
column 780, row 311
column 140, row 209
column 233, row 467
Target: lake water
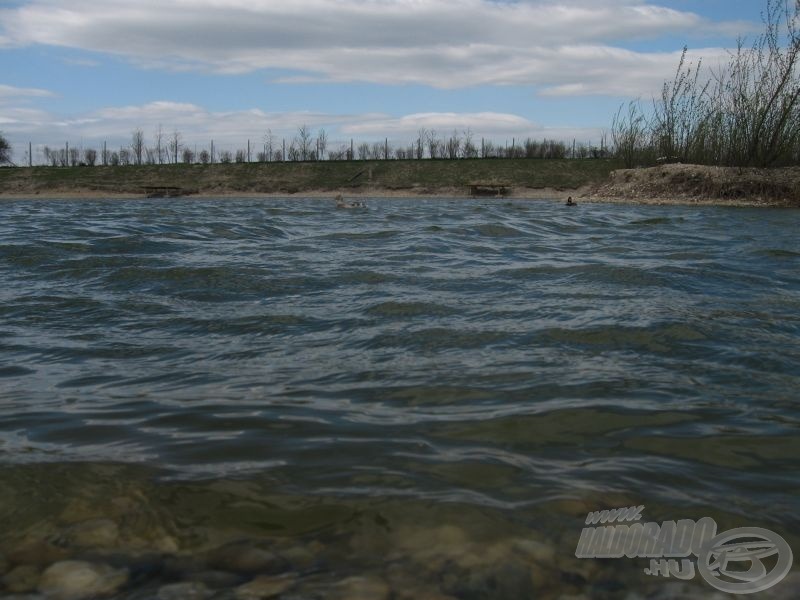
column 421, row 399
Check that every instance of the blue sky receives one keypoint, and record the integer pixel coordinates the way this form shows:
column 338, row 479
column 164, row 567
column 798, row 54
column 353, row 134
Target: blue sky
column 85, row 71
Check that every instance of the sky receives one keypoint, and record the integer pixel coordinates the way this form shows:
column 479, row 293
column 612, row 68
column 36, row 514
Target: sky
column 88, row 71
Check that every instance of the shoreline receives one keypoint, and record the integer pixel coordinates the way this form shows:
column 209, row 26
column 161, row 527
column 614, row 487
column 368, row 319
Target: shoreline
column 669, row 184
column 584, row 196
column 377, row 193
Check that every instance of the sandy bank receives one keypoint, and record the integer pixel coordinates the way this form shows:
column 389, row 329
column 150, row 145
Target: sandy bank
column 666, row 184
column 699, row 185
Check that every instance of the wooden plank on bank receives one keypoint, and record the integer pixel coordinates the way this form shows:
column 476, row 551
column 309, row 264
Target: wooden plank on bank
column 495, row 190
column 163, row 191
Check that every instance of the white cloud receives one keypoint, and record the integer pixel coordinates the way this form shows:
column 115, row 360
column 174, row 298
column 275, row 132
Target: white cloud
column 9, row 92
column 231, row 130
column 492, row 124
column 565, row 47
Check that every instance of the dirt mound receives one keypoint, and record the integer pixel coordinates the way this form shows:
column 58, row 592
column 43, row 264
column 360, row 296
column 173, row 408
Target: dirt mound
column 702, row 185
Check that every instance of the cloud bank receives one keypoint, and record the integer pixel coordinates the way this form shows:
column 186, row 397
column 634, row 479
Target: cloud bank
column 565, row 47
column 231, row 130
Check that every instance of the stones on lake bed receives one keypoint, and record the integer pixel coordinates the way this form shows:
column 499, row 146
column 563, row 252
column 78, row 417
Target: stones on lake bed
column 193, row 590
column 369, row 587
column 94, row 533
column 299, row 557
column 264, row 586
column 246, row 559
column 36, row 551
column 216, row 579
column 535, row 550
column 77, row 580
column 109, row 557
column 21, row 579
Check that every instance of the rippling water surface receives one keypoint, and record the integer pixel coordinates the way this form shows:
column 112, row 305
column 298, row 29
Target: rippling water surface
column 281, row 368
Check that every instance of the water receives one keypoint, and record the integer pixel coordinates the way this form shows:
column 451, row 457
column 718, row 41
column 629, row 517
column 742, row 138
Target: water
column 392, row 389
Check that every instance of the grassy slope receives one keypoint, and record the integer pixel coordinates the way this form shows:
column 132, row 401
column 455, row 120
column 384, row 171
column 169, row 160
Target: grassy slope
column 427, row 176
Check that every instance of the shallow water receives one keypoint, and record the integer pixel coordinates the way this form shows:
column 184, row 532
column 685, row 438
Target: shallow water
column 395, row 388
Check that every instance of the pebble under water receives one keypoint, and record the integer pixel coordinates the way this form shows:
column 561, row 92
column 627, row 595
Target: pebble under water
column 423, row 399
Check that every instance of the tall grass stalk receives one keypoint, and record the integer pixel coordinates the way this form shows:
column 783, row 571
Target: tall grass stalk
column 746, row 113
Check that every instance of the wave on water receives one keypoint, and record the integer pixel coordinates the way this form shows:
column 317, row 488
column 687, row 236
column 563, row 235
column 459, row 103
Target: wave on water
column 431, row 382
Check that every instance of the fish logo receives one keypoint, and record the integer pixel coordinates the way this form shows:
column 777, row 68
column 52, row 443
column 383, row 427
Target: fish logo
column 734, row 561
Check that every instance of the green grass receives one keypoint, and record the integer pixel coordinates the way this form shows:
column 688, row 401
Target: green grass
column 425, row 176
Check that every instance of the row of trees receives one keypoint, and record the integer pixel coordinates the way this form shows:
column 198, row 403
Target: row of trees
column 746, row 113
column 304, row 146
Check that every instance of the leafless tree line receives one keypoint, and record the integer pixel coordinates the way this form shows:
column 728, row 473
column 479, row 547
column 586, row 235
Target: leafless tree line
column 747, row 113
column 170, row 148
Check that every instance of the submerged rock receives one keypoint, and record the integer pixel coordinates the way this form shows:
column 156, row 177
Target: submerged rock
column 24, row 578
column 300, row 557
column 264, row 586
column 535, row 550
column 509, row 581
column 193, row 590
column 166, row 544
column 431, row 547
column 34, row 551
column 788, row 588
column 361, row 588
column 77, row 579
column 244, row 558
column 416, row 594
column 216, row 579
column 94, row 533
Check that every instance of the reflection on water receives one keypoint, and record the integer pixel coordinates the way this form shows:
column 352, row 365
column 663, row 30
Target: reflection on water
column 419, row 400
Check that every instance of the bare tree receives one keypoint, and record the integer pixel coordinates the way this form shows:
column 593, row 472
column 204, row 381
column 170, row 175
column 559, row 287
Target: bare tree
column 90, row 156
column 241, row 156
column 74, row 157
column 137, row 146
column 342, row 153
column 603, row 150
column 159, row 149
column 5, row 151
column 469, row 149
column 322, row 144
column 51, row 156
column 124, row 156
column 304, row 142
column 225, row 157
column 205, row 157
column 113, row 159
column 188, row 156
column 433, row 144
column 422, row 136
column 453, row 145
column 268, row 151
column 174, row 145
